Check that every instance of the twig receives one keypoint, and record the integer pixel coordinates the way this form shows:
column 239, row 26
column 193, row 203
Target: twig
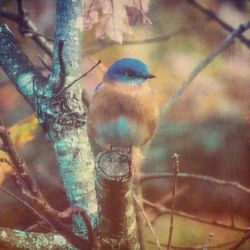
column 62, row 71
column 29, row 26
column 18, row 164
column 202, row 64
column 211, row 179
column 4, row 160
column 35, row 226
column 176, row 172
column 198, row 247
column 163, row 210
column 31, row 192
column 241, row 241
column 29, row 207
column 44, row 64
column 76, row 80
column 222, row 23
column 157, row 242
column 21, row 11
column 78, row 211
column 155, row 39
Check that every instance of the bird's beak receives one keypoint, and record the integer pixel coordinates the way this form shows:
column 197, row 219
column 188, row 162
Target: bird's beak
column 149, row 76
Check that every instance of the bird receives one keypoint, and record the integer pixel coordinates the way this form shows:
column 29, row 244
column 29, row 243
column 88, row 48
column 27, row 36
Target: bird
column 123, row 112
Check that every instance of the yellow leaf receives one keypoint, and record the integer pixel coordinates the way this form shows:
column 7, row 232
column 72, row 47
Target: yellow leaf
column 23, row 131
column 5, row 168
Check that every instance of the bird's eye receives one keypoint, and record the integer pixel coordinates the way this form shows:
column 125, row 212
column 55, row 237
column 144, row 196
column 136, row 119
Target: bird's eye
column 130, row 72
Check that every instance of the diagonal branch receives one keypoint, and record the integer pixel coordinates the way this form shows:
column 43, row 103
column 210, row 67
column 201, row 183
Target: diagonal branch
column 222, row 23
column 26, row 26
column 18, row 67
column 203, row 64
column 163, row 210
column 35, row 211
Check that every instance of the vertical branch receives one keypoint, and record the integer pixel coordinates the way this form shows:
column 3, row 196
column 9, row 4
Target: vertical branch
column 64, row 116
column 176, row 171
column 117, row 225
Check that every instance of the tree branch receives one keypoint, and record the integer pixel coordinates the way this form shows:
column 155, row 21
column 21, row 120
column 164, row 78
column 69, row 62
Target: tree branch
column 10, row 239
column 245, row 238
column 37, row 213
column 221, row 22
column 202, row 64
column 117, row 225
column 210, row 179
column 18, row 67
column 27, row 27
column 163, row 210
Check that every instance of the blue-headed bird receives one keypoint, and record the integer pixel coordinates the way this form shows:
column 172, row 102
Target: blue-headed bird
column 123, row 112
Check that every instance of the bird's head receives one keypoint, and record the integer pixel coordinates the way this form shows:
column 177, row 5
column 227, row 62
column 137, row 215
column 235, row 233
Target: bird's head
column 128, row 71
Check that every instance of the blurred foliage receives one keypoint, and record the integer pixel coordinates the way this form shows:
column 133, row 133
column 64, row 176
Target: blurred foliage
column 208, row 127
column 23, row 131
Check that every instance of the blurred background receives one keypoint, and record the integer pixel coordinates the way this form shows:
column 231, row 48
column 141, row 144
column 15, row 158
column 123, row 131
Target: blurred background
column 208, row 126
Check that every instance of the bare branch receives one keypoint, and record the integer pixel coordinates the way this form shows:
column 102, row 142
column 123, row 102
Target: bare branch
column 18, row 164
column 27, row 26
column 78, row 211
column 164, row 37
column 30, row 191
column 176, row 172
column 12, row 239
column 222, row 23
column 18, row 67
column 245, row 238
column 157, row 242
column 163, row 210
column 202, row 64
column 210, row 179
column 36, row 212
column 198, row 247
column 79, row 78
column 4, row 160
column 44, row 64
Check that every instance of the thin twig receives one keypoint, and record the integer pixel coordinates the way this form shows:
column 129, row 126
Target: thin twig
column 222, row 23
column 198, row 247
column 35, row 226
column 78, row 211
column 4, row 160
column 36, row 212
column 211, row 179
column 202, row 64
column 44, row 64
column 76, row 80
column 176, row 172
column 29, row 26
column 245, row 238
column 157, row 242
column 21, row 11
column 160, row 38
column 30, row 191
column 18, row 164
column 164, row 210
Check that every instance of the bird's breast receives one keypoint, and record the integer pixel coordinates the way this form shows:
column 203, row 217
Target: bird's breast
column 122, row 116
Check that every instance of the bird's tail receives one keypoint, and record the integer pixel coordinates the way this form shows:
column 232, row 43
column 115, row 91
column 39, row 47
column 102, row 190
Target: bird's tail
column 136, row 160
